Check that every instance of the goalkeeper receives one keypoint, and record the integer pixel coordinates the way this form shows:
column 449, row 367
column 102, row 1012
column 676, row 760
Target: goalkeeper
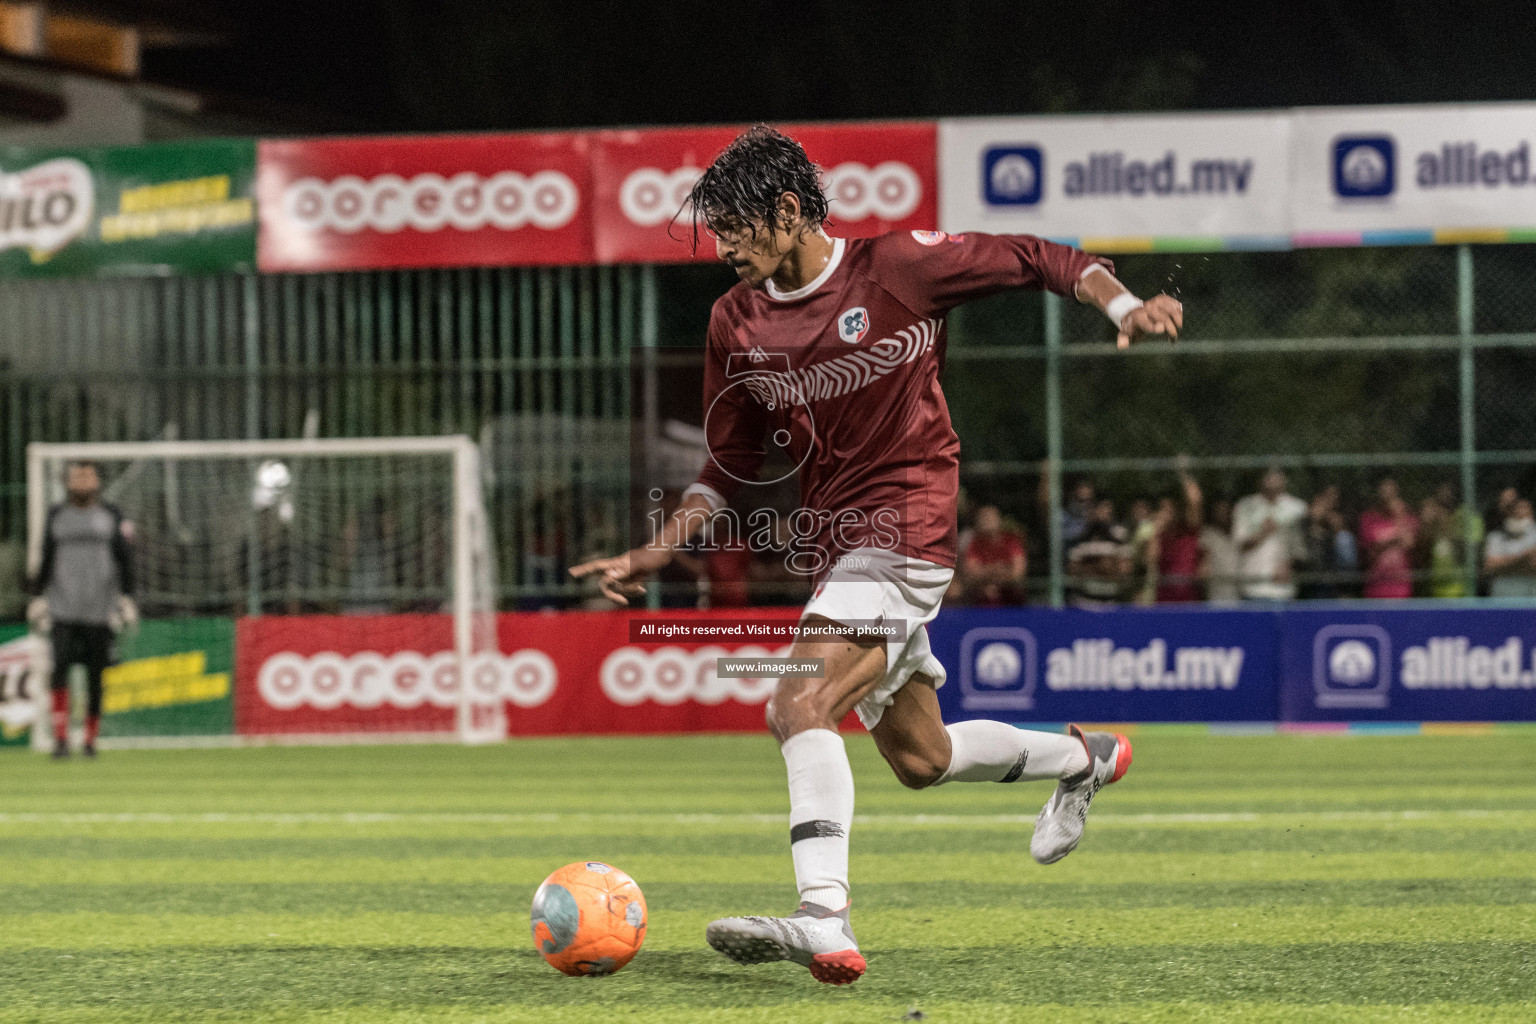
column 83, row 594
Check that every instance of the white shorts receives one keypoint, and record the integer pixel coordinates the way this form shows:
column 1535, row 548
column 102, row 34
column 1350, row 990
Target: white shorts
column 886, row 588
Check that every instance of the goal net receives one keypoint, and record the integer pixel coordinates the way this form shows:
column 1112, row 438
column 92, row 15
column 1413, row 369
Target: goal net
column 327, row 589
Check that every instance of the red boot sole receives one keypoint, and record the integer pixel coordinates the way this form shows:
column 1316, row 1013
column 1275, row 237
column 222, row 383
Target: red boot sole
column 841, row 968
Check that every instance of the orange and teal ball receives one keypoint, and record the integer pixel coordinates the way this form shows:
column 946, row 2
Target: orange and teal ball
column 588, row 918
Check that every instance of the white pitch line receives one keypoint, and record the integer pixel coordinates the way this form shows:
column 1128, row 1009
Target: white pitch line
column 385, row 817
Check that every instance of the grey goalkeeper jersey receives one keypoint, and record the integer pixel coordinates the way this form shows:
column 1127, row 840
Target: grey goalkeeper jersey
column 87, row 563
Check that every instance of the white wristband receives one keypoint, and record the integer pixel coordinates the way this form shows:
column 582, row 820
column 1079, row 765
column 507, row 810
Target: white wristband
column 1120, row 305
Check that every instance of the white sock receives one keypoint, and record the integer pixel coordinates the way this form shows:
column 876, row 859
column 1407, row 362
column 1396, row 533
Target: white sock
column 986, row 751
column 820, row 813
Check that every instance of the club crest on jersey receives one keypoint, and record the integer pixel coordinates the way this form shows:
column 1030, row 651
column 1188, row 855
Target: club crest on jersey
column 929, row 237
column 853, row 324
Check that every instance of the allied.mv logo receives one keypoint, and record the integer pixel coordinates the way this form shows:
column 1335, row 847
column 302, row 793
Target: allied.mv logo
column 1012, row 175
column 997, row 669
column 1364, row 166
column 998, row 664
column 1351, row 666
column 853, row 324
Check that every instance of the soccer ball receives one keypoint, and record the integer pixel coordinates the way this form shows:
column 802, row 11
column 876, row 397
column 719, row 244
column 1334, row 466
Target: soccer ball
column 588, row 918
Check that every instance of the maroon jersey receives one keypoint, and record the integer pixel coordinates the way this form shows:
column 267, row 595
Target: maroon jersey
column 843, row 375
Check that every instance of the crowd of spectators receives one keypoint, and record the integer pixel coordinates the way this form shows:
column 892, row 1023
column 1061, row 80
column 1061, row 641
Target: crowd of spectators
column 1267, row 546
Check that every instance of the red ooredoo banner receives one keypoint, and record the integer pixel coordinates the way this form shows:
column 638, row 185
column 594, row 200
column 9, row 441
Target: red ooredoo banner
column 577, row 672
column 428, row 201
column 878, row 177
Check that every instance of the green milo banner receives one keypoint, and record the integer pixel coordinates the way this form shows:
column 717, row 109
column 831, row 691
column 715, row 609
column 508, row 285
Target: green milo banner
column 18, row 683
column 175, row 207
column 173, row 677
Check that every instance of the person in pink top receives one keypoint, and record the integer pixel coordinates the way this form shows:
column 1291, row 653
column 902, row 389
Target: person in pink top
column 1388, row 533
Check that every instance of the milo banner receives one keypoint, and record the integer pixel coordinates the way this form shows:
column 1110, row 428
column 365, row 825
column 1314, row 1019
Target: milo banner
column 172, row 678
column 19, row 684
column 179, row 207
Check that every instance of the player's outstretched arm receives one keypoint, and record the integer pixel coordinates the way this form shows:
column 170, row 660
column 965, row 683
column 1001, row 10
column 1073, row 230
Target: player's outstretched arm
column 622, row 576
column 1134, row 319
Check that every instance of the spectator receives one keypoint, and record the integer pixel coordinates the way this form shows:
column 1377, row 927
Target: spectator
column 992, row 561
column 1332, row 556
column 1388, row 533
column 1077, row 514
column 1266, row 527
column 1099, row 566
column 1175, row 547
column 1447, row 530
column 1510, row 557
column 1219, row 560
column 1144, row 526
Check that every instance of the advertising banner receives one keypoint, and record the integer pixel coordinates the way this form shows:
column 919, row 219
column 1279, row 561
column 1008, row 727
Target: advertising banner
column 1441, row 665
column 1414, row 175
column 423, row 201
column 176, row 207
column 879, row 177
column 1039, row 665
column 172, row 678
column 1132, row 183
column 577, row 672
column 22, row 668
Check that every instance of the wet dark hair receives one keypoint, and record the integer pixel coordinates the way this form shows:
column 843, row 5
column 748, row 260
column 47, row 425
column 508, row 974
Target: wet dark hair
column 748, row 178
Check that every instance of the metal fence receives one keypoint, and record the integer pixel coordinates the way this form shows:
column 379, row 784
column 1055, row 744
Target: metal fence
column 1334, row 364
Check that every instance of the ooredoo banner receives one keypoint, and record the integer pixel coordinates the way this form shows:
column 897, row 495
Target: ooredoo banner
column 1120, row 184
column 1408, row 666
column 577, row 672
column 1414, row 175
column 879, row 177
column 423, row 201
column 1146, row 665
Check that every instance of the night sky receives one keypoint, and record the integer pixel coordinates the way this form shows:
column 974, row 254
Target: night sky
column 425, row 65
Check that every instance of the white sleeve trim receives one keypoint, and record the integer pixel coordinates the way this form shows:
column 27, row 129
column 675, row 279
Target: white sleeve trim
column 715, row 498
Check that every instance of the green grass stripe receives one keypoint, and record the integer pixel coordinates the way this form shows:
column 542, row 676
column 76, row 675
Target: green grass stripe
column 1085, row 866
column 304, row 975
column 824, row 1010
column 730, row 842
column 472, row 899
column 683, row 930
column 1186, row 773
column 82, row 829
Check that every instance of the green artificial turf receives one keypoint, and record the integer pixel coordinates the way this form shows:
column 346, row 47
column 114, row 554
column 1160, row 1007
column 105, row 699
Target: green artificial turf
column 1258, row 878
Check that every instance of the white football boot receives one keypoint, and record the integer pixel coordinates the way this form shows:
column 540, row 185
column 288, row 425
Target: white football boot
column 812, row 936
column 1060, row 824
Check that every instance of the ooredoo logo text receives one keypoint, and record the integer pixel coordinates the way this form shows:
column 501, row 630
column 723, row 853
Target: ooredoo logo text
column 408, row 679
column 388, row 203
column 890, row 191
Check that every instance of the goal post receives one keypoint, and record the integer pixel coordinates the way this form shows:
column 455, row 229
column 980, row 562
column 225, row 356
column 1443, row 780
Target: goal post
column 365, row 567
